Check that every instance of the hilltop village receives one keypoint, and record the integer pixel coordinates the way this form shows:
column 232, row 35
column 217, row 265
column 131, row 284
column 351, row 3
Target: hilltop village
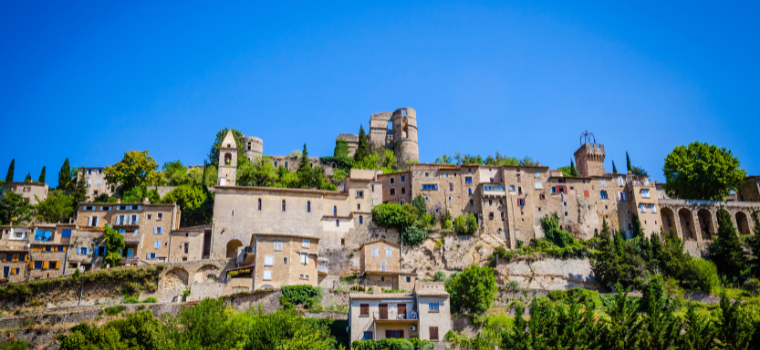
column 261, row 239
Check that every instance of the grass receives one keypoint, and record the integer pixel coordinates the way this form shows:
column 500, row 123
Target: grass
column 114, row 310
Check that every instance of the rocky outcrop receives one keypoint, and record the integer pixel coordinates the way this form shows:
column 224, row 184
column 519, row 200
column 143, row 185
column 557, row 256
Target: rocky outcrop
column 548, row 274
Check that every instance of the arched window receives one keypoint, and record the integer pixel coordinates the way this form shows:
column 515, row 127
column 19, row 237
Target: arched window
column 361, row 220
column 335, row 210
column 259, row 204
column 283, row 205
column 227, row 159
column 308, row 206
column 603, row 194
column 337, row 223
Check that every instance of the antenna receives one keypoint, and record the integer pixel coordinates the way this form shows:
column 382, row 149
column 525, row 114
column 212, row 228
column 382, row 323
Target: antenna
column 586, row 137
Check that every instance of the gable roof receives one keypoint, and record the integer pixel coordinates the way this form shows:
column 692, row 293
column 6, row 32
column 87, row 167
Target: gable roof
column 381, row 240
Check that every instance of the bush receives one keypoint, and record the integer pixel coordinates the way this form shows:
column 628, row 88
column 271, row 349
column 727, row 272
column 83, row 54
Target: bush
column 114, row 310
column 350, row 278
column 308, row 296
column 512, row 285
column 413, row 235
column 465, row 225
column 383, row 344
column 150, row 300
column 420, row 203
column 439, row 276
column 752, row 286
column 703, row 275
column 395, row 216
column 473, row 290
column 15, row 345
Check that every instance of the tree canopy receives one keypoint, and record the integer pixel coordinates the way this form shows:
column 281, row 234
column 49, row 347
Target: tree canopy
column 14, row 208
column 136, row 169
column 57, row 207
column 213, row 156
column 701, row 171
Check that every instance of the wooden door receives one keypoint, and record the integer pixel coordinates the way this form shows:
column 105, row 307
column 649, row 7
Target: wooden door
column 402, row 311
column 383, row 311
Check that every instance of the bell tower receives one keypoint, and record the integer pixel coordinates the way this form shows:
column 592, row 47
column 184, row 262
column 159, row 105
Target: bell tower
column 227, row 161
column 589, row 158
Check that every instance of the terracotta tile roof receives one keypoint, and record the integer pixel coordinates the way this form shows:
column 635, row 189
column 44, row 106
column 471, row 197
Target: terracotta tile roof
column 382, row 295
column 194, row 228
column 433, row 293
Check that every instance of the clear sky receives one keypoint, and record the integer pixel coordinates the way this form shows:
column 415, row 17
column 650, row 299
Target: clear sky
column 90, row 80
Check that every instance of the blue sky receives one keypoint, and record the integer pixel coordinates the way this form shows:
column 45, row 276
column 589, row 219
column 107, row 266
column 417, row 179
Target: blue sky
column 90, row 80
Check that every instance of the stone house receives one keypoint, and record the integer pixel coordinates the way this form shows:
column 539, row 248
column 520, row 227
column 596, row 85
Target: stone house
column 190, row 244
column 749, row 190
column 380, row 263
column 14, row 254
column 96, row 182
column 32, row 192
column 48, row 250
column 423, row 314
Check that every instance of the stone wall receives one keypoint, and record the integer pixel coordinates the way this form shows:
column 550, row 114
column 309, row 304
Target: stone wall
column 548, row 274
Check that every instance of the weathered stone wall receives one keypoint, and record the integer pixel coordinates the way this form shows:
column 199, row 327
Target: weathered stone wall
column 548, row 274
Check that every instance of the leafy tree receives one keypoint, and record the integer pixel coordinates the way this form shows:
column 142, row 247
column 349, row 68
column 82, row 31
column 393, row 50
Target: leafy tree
column 341, row 149
column 550, row 226
column 420, row 203
column 28, row 177
column 136, row 169
column 14, row 208
column 465, row 225
column 565, row 170
column 702, row 274
column 473, row 290
column 114, row 245
column 701, row 171
column 362, row 150
column 528, row 161
column 174, row 174
column 573, row 171
column 623, row 330
column 57, row 207
column 699, row 331
column 213, row 156
column 726, row 251
column 11, row 168
column 518, row 337
column 444, row 159
column 80, row 189
column 65, row 180
column 413, row 235
column 258, row 173
column 196, row 204
column 15, row 345
column 639, row 171
column 614, row 168
column 395, row 216
column 439, row 276
column 41, row 179
column 140, row 330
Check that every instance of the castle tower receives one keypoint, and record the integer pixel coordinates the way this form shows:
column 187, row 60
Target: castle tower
column 405, row 135
column 589, row 158
column 380, row 130
column 227, row 161
column 253, row 146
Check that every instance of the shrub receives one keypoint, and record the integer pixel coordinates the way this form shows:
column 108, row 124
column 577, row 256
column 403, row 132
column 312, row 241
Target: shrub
column 350, row 278
column 308, row 296
column 114, row 310
column 395, row 216
column 465, row 225
column 186, row 293
column 413, row 235
column 703, row 274
column 15, row 345
column 131, row 300
column 420, row 204
column 439, row 276
column 512, row 285
column 752, row 286
column 473, row 290
column 150, row 300
column 383, row 344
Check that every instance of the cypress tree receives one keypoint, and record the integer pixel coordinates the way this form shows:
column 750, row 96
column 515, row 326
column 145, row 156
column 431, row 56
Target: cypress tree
column 573, row 171
column 64, row 176
column 614, row 169
column 623, row 330
column 11, row 168
column 660, row 323
column 362, row 150
column 42, row 176
column 699, row 331
column 735, row 327
column 628, row 161
column 28, row 177
column 608, row 267
column 754, row 246
column 726, row 250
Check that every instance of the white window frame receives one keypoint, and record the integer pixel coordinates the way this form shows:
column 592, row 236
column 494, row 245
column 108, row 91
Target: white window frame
column 267, row 276
column 268, row 261
column 654, row 208
column 388, row 252
column 375, row 252
column 539, row 186
column 305, row 259
column 305, row 243
column 277, row 246
column 645, row 193
column 643, row 208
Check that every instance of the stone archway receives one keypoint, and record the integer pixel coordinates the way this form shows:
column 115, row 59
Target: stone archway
column 668, row 220
column 706, row 224
column 687, row 224
column 232, row 247
column 176, row 280
column 203, row 274
column 742, row 223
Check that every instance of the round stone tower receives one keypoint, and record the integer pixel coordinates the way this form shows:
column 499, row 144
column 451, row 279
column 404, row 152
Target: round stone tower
column 253, row 146
column 405, row 135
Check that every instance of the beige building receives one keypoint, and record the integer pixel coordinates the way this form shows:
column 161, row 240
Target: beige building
column 96, row 182
column 380, row 263
column 281, row 260
column 32, row 192
column 48, row 250
column 14, row 253
column 423, row 314
column 190, row 244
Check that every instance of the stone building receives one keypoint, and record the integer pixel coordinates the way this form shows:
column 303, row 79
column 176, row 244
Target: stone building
column 96, row 182
column 14, row 253
column 749, row 190
column 32, row 192
column 190, row 244
column 48, row 250
column 424, row 314
column 380, row 263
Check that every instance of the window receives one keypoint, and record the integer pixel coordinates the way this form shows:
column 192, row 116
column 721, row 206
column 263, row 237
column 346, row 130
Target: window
column 585, row 193
column 621, row 196
column 434, row 307
column 468, row 179
column 372, row 188
column 267, row 275
column 382, row 268
column 469, row 190
column 156, row 244
column 471, row 202
column 268, row 260
column 433, row 333
column 259, row 204
column 451, row 186
column 305, row 259
column 392, row 180
column 359, row 194
column 408, row 279
column 367, row 335
column 511, row 188
column 277, row 246
column 158, row 230
column 337, row 223
column 604, row 182
column 308, row 206
column 393, row 191
column 402, row 202
column 449, row 198
column 426, row 198
column 149, row 216
column 430, row 187
column 284, row 261
column 643, row 208
column 654, row 210
column 283, row 205
column 361, row 220
column 403, row 190
column 364, row 310
column 519, row 189
column 375, row 252
column 603, row 194
column 521, row 202
column 160, row 215
column 305, row 243
column 538, row 174
column 394, row 334
column 645, row 194
column 490, row 216
column 539, row 186
column 403, row 178
column 388, row 252
column 187, row 246
column 620, row 181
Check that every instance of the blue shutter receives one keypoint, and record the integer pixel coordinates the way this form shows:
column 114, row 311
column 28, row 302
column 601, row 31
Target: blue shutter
column 66, row 233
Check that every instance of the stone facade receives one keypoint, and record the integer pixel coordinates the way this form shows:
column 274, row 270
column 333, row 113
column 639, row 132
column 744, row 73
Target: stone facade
column 749, row 190
column 397, row 131
column 281, row 260
column 32, row 192
column 96, row 182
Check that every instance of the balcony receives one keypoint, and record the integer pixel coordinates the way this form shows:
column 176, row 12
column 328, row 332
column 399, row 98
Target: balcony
column 408, row 317
column 322, row 266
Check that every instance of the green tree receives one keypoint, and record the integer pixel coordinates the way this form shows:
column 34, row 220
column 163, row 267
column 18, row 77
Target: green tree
column 609, row 269
column 628, row 161
column 473, row 290
column 114, row 245
column 420, row 203
column 754, row 245
column 57, row 207
column 395, row 216
column 140, row 330
column 15, row 345
column 174, row 174
column 614, row 168
column 444, row 159
column 573, row 171
column 734, row 327
column 701, row 171
column 79, row 192
column 213, row 156
column 258, row 173
column 341, row 149
column 65, row 180
column 660, row 325
column 136, row 169
column 11, row 169
column 726, row 251
column 28, row 177
column 623, row 329
column 41, row 179
column 413, row 235
column 699, row 331
column 196, row 204
column 518, row 336
column 14, row 208
column 362, row 150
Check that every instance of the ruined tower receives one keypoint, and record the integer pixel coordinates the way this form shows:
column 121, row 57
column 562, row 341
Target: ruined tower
column 396, row 131
column 253, row 146
column 227, row 161
column 589, row 158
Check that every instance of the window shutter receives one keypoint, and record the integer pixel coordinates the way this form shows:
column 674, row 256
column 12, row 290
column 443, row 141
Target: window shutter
column 147, row 256
column 387, row 333
column 89, row 220
column 154, row 230
column 137, row 219
column 57, row 265
column 565, row 189
column 97, row 220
